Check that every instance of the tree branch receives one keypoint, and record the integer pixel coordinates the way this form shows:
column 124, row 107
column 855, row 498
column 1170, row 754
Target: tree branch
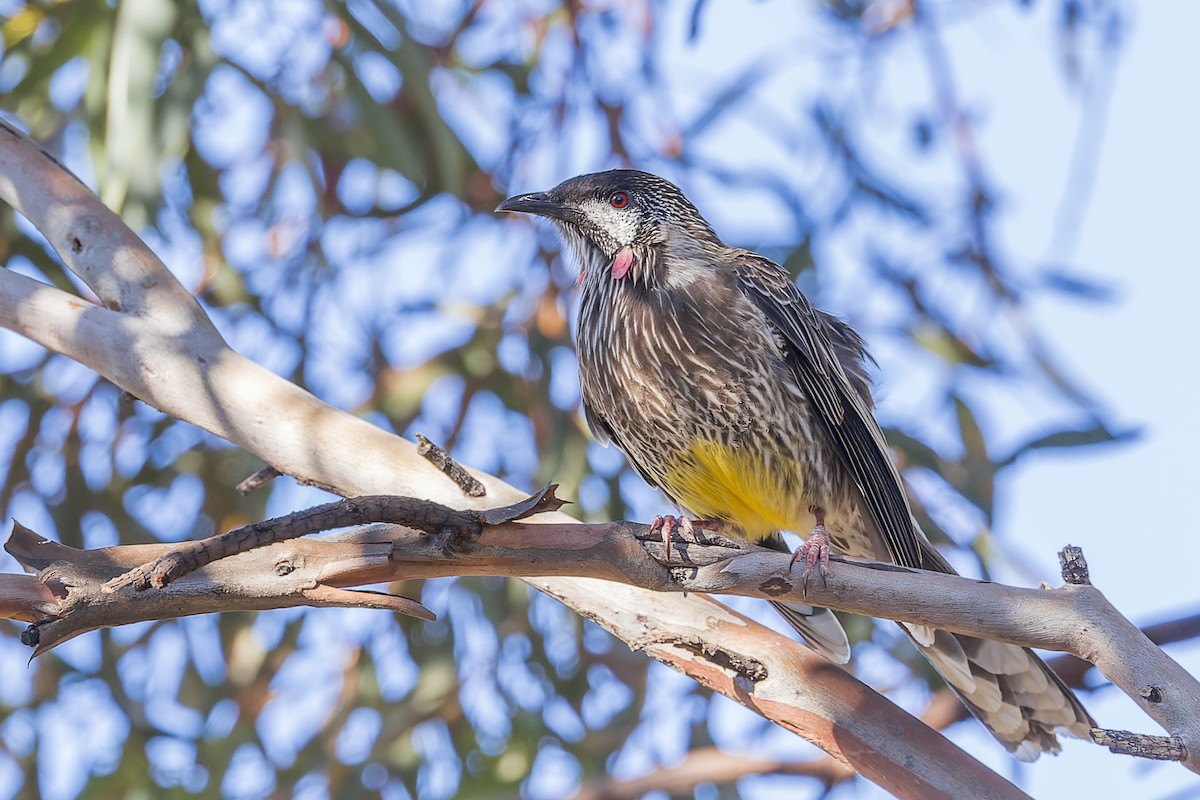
column 729, row 653
column 712, row 765
column 1075, row 618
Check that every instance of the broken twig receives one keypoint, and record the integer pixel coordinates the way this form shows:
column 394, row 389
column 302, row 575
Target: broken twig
column 257, row 480
column 1141, row 745
column 454, row 471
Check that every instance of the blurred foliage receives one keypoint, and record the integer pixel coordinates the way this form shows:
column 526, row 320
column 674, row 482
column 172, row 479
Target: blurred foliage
column 322, row 175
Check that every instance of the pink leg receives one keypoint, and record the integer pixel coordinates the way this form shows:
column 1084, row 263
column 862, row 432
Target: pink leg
column 691, row 526
column 815, row 550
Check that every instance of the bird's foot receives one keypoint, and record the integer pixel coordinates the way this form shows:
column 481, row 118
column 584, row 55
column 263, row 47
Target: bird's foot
column 687, row 528
column 815, row 555
column 692, row 527
column 666, row 525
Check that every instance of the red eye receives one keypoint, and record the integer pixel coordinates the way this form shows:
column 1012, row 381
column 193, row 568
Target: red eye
column 619, row 200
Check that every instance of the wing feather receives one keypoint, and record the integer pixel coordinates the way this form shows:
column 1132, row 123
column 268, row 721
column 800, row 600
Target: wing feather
column 840, row 401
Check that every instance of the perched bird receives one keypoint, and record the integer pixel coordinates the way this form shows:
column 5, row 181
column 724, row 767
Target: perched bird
column 752, row 410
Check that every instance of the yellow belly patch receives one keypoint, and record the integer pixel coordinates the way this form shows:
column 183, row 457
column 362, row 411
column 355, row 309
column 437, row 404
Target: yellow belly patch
column 733, row 484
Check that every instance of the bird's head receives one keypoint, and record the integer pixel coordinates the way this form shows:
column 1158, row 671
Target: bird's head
column 622, row 222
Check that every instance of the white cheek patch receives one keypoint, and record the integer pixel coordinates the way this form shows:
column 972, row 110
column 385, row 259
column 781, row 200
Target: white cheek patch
column 620, row 224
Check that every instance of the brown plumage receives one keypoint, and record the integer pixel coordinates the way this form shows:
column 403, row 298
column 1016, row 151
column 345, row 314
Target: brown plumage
column 728, row 391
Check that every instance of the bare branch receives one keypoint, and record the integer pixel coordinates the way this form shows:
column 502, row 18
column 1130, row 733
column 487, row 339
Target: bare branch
column 258, row 480
column 92, row 240
column 73, row 601
column 713, row 765
column 424, row 515
column 1074, row 566
column 723, row 650
column 1075, row 618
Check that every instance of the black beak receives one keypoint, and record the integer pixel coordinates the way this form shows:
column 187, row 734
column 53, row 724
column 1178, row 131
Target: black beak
column 540, row 204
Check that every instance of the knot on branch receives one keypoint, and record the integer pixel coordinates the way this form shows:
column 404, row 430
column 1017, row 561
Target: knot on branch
column 748, row 667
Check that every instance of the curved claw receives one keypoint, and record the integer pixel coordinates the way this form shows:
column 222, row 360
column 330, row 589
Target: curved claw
column 815, row 554
column 666, row 525
column 687, row 527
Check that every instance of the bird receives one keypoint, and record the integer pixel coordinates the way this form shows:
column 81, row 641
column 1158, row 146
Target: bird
column 752, row 411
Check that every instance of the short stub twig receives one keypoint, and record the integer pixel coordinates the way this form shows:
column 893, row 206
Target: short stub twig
column 1074, row 566
column 258, row 480
column 1141, row 745
column 435, row 455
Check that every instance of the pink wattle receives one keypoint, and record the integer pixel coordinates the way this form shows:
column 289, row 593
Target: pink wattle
column 622, row 261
